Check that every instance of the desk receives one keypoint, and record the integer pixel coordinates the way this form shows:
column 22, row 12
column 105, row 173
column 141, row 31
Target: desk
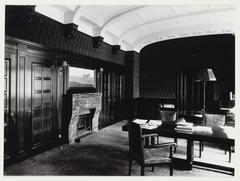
column 220, row 135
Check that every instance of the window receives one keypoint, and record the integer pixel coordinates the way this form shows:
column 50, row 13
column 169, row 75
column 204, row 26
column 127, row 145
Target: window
column 81, row 77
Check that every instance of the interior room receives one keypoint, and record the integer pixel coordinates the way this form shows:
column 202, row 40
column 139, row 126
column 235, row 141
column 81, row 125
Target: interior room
column 119, row 90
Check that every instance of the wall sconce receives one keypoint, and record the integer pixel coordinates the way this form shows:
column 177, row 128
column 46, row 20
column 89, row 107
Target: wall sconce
column 64, row 64
column 61, row 69
column 99, row 72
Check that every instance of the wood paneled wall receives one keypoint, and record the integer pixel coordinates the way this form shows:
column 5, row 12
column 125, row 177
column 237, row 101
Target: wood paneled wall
column 50, row 33
column 43, row 38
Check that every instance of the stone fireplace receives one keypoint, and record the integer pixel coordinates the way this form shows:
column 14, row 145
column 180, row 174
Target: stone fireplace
column 83, row 104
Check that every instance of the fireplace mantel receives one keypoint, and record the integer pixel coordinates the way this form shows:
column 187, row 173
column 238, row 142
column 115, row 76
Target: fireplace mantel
column 80, row 103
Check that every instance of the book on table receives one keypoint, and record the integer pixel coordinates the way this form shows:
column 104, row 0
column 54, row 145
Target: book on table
column 202, row 130
column 184, row 126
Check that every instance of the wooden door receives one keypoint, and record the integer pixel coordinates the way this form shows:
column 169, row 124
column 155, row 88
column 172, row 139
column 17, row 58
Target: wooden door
column 42, row 104
column 10, row 65
column 116, row 96
column 29, row 100
column 105, row 113
column 7, row 109
column 112, row 95
column 181, row 92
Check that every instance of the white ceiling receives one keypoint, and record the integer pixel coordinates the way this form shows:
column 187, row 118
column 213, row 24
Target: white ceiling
column 134, row 26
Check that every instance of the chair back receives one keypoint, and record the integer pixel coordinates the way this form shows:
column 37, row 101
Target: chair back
column 135, row 142
column 168, row 115
column 215, row 119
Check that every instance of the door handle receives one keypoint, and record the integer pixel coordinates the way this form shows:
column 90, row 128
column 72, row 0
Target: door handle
column 12, row 117
column 29, row 114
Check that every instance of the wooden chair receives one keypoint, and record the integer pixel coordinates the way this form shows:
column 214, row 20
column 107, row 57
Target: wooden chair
column 148, row 156
column 213, row 120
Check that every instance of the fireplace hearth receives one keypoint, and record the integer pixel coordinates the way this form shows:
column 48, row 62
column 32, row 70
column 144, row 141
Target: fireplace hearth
column 86, row 108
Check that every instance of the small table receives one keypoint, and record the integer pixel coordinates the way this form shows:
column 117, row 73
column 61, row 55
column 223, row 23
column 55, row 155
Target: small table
column 219, row 136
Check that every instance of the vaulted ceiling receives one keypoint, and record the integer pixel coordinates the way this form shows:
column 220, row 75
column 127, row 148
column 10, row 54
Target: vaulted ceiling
column 135, row 26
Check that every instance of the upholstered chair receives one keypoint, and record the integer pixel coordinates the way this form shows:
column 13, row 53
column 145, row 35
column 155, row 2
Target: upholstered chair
column 169, row 115
column 215, row 120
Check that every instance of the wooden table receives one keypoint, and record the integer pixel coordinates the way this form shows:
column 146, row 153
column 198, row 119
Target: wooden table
column 219, row 136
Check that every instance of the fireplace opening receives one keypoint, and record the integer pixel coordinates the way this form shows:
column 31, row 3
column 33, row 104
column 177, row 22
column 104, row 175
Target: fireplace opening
column 83, row 115
column 84, row 124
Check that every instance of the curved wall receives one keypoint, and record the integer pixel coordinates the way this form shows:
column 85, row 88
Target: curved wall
column 160, row 62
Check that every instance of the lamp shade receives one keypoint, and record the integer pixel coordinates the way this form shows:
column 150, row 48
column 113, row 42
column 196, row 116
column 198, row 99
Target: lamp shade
column 206, row 75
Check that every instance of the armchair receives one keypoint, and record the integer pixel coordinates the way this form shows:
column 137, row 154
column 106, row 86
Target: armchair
column 215, row 120
column 168, row 115
column 150, row 155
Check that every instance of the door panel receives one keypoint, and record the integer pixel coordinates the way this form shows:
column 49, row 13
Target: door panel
column 6, row 108
column 21, row 107
column 42, row 104
column 29, row 91
column 105, row 98
column 112, row 94
column 10, row 65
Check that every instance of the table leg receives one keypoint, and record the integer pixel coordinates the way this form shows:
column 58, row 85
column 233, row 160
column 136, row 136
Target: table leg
column 152, row 140
column 189, row 153
column 147, row 141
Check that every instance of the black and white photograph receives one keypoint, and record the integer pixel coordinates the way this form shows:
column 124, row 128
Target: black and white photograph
column 119, row 89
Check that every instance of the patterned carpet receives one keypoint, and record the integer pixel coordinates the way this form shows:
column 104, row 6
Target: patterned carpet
column 100, row 154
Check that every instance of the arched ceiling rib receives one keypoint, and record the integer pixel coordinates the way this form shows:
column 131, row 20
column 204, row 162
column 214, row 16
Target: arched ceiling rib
column 176, row 19
column 114, row 18
column 133, row 27
column 197, row 30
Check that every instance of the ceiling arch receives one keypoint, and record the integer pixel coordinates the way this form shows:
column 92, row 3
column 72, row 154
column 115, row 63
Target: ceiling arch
column 118, row 16
column 175, row 18
column 133, row 26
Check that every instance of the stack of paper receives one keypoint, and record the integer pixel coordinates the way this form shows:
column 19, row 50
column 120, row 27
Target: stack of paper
column 184, row 127
column 140, row 121
column 202, row 130
column 145, row 124
column 154, row 122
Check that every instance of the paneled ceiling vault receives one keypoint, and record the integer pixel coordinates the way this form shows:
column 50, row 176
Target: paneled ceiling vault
column 135, row 26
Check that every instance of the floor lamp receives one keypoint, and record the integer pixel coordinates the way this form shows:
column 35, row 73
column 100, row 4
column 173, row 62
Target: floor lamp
column 204, row 76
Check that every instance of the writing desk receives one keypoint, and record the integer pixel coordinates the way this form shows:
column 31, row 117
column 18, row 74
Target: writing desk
column 220, row 135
